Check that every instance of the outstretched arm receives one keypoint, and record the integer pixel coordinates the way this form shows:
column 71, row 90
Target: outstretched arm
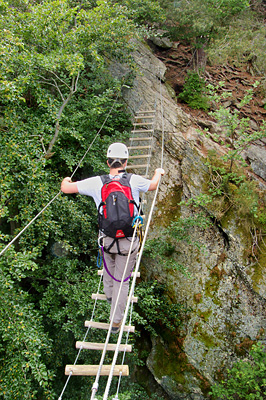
column 67, row 186
column 156, row 178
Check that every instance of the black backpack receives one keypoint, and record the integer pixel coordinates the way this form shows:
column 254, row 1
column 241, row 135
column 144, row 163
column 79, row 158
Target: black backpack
column 116, row 210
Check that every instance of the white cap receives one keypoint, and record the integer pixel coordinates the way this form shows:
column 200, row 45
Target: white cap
column 117, row 150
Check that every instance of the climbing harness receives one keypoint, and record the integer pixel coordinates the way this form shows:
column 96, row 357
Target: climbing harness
column 137, row 222
column 109, row 273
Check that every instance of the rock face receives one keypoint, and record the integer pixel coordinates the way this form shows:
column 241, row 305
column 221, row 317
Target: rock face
column 225, row 290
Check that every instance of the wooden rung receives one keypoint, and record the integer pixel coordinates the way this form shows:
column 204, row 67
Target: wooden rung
column 137, row 166
column 139, row 156
column 100, row 272
column 146, row 111
column 100, row 346
column 138, row 147
column 144, row 116
column 142, row 123
column 92, row 370
column 98, row 296
column 104, row 325
column 142, row 131
column 140, row 138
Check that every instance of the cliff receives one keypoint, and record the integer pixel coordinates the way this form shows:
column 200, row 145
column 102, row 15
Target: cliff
column 223, row 289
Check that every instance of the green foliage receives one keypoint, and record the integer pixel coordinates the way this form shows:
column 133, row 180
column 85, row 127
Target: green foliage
column 25, row 346
column 201, row 21
column 237, row 129
column 134, row 392
column 48, row 49
column 194, row 92
column 165, row 248
column 227, row 178
column 155, row 310
column 246, row 379
column 243, row 42
column 143, row 11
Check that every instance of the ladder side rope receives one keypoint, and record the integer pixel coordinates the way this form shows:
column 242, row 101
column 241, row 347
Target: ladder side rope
column 105, row 397
column 124, row 352
column 95, row 385
column 152, row 135
column 126, row 311
column 55, row 197
column 81, row 348
column 162, row 116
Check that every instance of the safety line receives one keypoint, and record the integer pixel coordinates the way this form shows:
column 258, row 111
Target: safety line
column 55, row 197
column 105, row 397
column 162, row 113
column 26, row 227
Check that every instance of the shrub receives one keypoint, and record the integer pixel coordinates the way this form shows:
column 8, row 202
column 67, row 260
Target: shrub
column 194, row 92
column 246, row 379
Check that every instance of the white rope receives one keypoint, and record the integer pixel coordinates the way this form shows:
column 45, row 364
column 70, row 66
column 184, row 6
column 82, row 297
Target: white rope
column 105, row 397
column 51, row 201
column 81, row 347
column 26, row 227
column 162, row 116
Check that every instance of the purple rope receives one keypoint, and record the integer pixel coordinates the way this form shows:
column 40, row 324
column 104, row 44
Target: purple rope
column 109, row 273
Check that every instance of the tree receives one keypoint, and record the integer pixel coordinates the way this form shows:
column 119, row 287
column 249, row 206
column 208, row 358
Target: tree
column 200, row 22
column 143, row 11
column 243, row 43
column 51, row 45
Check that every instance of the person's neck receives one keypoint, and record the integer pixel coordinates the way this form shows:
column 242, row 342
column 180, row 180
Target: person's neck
column 115, row 171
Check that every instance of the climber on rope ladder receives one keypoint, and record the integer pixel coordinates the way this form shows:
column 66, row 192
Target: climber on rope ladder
column 117, row 199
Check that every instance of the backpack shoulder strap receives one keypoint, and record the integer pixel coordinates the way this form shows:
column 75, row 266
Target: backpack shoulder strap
column 125, row 179
column 127, row 176
column 105, row 178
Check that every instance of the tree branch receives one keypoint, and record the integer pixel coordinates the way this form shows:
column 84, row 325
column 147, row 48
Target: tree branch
column 73, row 89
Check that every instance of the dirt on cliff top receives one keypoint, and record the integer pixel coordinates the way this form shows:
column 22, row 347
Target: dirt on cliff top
column 237, row 80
